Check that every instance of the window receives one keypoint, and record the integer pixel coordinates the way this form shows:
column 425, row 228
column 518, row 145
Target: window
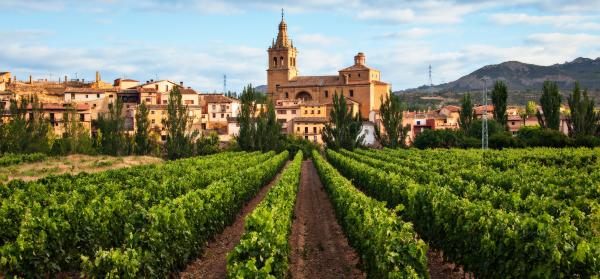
column 298, row 129
column 418, row 122
column 163, row 137
column 318, row 111
column 110, row 96
column 349, row 75
column 305, row 111
column 214, row 107
column 306, row 130
column 351, row 93
column 97, row 95
column 315, row 130
column 86, row 96
column 151, row 112
column 358, row 74
column 286, row 95
column 166, row 88
column 293, row 111
column 51, row 116
column 306, row 137
column 156, row 86
column 148, row 100
column 164, row 102
column 72, row 95
column 153, row 121
column 189, row 102
column 222, row 107
column 81, row 117
column 222, row 115
column 274, row 61
column 94, row 106
column 326, row 94
column 512, row 123
column 281, row 111
column 214, row 115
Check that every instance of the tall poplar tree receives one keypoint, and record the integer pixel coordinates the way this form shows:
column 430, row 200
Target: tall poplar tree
column 391, row 112
column 112, row 130
column 344, row 128
column 583, row 119
column 179, row 140
column 550, row 102
column 143, row 144
column 499, row 96
column 466, row 113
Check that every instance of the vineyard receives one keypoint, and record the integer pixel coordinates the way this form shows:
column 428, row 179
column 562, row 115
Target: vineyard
column 529, row 213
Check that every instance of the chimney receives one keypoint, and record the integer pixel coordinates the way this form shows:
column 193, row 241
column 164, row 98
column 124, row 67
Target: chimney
column 151, row 80
column 82, row 80
column 181, row 83
column 97, row 76
column 30, row 80
column 360, row 59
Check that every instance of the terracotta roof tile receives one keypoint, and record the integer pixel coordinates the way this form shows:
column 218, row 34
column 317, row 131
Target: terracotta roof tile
column 216, row 98
column 83, row 90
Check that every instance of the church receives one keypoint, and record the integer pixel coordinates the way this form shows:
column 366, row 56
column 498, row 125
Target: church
column 359, row 83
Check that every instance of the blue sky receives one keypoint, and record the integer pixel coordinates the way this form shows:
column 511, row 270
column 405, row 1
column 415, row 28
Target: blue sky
column 197, row 41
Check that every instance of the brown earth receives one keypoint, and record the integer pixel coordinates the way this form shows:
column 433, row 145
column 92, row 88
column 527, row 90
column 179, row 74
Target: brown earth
column 319, row 248
column 72, row 164
column 213, row 261
column 440, row 269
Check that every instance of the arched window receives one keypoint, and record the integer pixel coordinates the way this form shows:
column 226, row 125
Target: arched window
column 281, row 61
column 286, row 95
column 274, row 61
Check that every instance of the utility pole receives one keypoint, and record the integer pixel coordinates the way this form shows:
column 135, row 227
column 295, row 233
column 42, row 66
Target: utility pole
column 224, row 84
column 484, row 122
column 430, row 82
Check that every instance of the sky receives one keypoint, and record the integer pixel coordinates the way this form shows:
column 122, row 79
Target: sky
column 199, row 41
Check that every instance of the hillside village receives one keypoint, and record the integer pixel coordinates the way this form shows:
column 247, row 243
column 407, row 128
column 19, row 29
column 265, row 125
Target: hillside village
column 302, row 103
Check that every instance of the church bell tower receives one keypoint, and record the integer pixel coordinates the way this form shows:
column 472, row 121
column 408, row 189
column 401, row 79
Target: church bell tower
column 282, row 60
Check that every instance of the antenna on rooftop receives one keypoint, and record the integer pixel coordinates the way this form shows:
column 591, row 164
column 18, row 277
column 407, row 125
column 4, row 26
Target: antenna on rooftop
column 224, row 84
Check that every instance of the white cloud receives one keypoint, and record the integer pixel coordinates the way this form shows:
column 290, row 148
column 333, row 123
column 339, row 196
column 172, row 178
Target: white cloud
column 560, row 21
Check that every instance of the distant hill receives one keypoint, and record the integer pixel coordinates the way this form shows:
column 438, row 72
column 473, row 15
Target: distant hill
column 261, row 88
column 524, row 80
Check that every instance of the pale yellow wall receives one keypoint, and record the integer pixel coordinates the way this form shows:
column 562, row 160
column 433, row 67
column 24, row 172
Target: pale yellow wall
column 308, row 130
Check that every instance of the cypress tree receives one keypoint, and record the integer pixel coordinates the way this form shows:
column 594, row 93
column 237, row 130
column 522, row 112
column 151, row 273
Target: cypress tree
column 550, row 102
column 499, row 96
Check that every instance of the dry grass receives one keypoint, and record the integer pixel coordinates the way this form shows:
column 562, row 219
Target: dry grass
column 72, row 164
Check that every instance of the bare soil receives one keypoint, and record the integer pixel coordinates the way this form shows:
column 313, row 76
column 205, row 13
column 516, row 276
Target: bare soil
column 440, row 269
column 319, row 248
column 213, row 261
column 72, row 164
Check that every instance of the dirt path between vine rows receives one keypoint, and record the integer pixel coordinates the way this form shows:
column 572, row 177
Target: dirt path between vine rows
column 440, row 269
column 213, row 261
column 319, row 248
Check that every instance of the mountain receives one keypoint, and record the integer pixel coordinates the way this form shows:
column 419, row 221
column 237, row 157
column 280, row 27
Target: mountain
column 526, row 77
column 261, row 88
column 524, row 83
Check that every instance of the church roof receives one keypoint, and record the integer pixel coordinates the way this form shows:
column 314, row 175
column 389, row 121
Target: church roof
column 356, row 67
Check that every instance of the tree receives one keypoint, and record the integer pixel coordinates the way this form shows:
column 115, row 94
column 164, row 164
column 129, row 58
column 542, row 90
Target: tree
column 268, row 129
column 28, row 131
column 391, row 111
column 206, row 145
column 583, row 119
column 344, row 128
column 499, row 96
column 246, row 137
column 257, row 132
column 76, row 138
column 179, row 142
column 112, row 130
column 142, row 140
column 550, row 100
column 466, row 112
